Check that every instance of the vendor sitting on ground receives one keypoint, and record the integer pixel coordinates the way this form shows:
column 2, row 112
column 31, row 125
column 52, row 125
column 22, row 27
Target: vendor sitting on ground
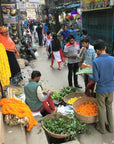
column 36, row 99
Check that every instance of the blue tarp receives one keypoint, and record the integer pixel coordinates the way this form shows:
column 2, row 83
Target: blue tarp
column 73, row 5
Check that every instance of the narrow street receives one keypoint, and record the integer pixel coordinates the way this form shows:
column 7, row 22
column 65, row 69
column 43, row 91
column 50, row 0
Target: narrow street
column 54, row 79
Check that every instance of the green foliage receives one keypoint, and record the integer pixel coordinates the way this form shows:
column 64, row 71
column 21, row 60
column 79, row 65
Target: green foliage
column 56, row 95
column 85, row 70
column 67, row 90
column 62, row 125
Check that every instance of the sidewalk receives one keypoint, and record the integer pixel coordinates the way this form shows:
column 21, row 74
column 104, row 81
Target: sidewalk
column 54, row 79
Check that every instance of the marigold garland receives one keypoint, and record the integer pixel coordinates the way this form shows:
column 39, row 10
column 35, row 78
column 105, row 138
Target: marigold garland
column 18, row 108
column 89, row 109
column 5, row 73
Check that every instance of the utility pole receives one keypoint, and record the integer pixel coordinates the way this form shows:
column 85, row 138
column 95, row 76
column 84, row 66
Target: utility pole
column 1, row 16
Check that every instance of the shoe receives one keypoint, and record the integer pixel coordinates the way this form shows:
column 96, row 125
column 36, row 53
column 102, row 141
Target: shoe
column 78, row 86
column 107, row 128
column 51, row 66
column 59, row 68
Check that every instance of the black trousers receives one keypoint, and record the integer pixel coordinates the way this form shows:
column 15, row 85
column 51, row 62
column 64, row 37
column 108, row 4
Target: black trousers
column 40, row 37
column 86, row 79
column 72, row 69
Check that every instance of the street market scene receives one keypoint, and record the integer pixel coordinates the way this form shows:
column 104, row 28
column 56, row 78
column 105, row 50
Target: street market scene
column 57, row 71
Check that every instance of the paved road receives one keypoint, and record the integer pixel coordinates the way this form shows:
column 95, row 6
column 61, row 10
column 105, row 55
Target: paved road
column 54, row 79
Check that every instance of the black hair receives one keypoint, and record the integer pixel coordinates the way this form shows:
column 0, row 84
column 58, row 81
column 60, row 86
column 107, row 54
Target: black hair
column 48, row 32
column 71, row 36
column 54, row 36
column 84, row 31
column 84, row 39
column 99, row 44
column 35, row 74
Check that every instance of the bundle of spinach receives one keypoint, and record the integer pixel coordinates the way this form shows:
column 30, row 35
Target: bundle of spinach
column 67, row 90
column 62, row 125
column 56, row 95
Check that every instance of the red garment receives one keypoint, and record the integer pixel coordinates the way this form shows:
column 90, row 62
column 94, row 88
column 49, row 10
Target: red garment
column 90, row 85
column 62, row 57
column 52, row 61
column 48, row 105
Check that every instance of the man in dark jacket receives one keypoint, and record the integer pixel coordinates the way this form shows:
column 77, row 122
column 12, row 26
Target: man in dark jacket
column 40, row 36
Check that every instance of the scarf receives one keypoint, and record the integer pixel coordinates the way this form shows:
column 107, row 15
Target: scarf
column 8, row 43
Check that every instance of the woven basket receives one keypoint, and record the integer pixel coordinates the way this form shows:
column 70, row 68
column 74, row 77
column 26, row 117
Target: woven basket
column 72, row 95
column 54, row 116
column 83, row 118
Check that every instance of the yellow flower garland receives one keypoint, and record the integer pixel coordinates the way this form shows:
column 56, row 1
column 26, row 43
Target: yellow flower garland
column 5, row 73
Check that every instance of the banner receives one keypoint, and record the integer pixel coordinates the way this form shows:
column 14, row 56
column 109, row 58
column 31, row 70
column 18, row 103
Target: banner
column 41, row 2
column 22, row 7
column 87, row 5
column 9, row 13
column 37, row 1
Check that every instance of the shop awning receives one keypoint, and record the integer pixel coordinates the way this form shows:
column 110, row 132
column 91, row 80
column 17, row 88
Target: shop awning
column 73, row 5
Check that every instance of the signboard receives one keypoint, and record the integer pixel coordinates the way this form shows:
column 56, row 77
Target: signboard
column 41, row 2
column 22, row 7
column 87, row 5
column 37, row 1
column 8, row 16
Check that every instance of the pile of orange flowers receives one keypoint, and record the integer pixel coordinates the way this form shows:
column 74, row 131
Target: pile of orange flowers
column 89, row 109
column 18, row 108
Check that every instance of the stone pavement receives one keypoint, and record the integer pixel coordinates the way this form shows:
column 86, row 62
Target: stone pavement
column 54, row 79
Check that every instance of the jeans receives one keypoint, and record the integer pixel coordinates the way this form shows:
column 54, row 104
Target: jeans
column 72, row 68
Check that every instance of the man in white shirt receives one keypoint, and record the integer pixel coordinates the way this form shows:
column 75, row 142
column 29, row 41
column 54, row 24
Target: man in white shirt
column 71, row 51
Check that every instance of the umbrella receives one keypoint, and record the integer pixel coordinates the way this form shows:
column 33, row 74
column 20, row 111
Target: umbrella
column 73, row 12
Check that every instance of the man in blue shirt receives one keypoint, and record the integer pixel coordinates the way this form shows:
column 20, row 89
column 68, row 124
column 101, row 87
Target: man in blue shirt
column 73, row 31
column 88, row 55
column 46, row 29
column 64, row 34
column 103, row 74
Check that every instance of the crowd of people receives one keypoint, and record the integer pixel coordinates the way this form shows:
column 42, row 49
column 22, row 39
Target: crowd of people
column 84, row 52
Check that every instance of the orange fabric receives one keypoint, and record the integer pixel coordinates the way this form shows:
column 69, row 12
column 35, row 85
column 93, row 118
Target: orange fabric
column 8, row 43
column 3, row 29
column 18, row 108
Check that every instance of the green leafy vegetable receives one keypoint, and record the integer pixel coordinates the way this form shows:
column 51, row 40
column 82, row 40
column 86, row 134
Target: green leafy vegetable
column 85, row 70
column 56, row 95
column 67, row 90
column 64, row 126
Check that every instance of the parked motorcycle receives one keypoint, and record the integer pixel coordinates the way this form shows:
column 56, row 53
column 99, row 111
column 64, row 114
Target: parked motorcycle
column 26, row 50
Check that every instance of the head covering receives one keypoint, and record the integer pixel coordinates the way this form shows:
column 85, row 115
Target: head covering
column 6, row 40
column 3, row 29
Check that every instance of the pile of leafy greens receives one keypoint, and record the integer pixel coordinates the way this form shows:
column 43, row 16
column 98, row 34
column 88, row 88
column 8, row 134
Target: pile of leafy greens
column 62, row 125
column 67, row 90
